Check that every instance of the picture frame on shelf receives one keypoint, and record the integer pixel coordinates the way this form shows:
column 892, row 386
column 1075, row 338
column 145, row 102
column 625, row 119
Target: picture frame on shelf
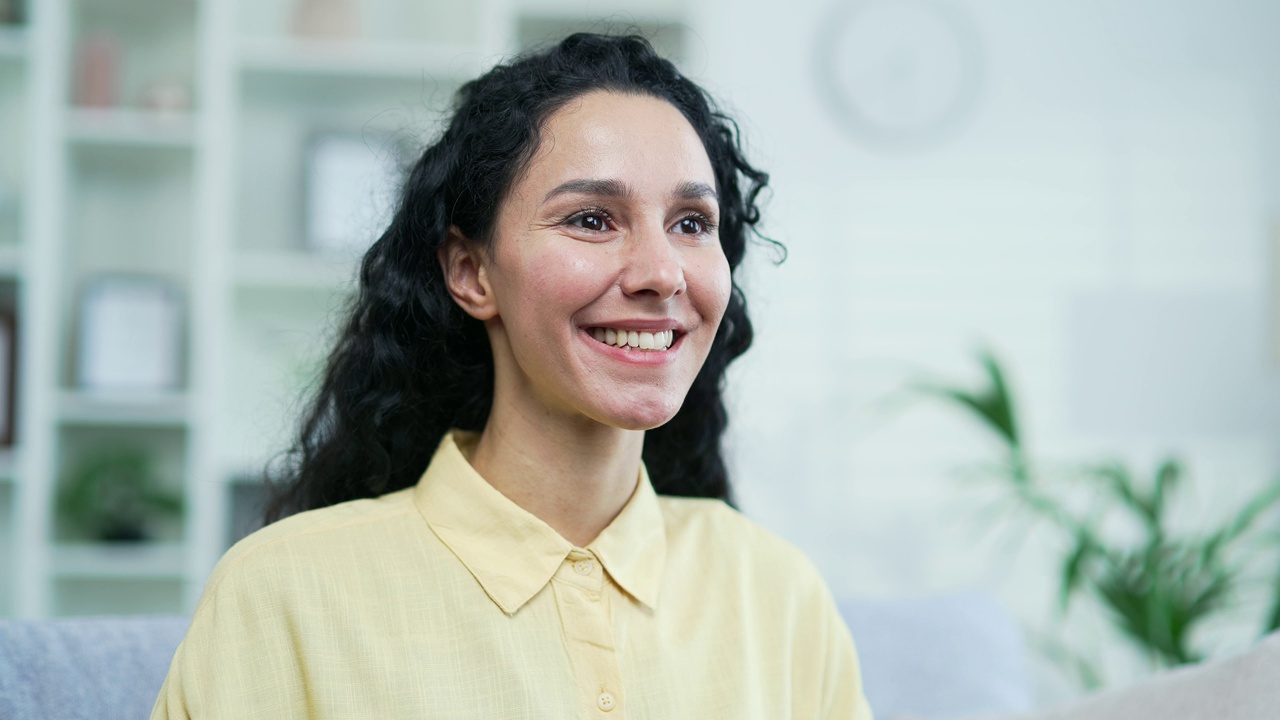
column 351, row 180
column 130, row 337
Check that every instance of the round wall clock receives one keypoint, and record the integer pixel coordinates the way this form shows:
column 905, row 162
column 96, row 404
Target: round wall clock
column 898, row 73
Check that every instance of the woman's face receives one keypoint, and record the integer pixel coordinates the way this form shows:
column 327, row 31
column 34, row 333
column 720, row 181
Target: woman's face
column 606, row 277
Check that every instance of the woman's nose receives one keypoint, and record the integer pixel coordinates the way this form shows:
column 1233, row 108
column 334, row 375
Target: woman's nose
column 653, row 265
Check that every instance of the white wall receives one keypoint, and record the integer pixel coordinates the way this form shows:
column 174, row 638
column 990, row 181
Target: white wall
column 1121, row 164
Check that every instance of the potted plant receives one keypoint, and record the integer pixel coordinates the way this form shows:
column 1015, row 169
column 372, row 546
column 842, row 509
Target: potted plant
column 1158, row 583
column 114, row 495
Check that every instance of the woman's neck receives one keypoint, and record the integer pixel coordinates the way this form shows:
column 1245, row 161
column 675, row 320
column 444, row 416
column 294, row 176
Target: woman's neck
column 573, row 474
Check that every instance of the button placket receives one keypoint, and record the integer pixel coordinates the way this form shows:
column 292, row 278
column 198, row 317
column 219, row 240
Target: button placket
column 581, row 594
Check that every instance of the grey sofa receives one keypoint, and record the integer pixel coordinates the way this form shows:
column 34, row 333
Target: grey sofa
column 85, row 668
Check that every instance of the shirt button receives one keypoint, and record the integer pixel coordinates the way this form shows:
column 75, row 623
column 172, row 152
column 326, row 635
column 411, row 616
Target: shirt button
column 606, row 702
column 584, row 567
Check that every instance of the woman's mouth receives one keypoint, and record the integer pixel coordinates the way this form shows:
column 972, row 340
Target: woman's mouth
column 654, row 341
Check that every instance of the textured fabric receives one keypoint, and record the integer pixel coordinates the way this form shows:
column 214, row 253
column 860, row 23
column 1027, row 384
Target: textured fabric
column 84, row 669
column 939, row 656
column 447, row 600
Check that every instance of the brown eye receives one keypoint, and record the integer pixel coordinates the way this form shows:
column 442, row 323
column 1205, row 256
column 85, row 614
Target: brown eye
column 692, row 226
column 591, row 221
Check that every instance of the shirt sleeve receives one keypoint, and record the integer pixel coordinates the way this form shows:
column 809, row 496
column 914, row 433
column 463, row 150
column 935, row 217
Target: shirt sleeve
column 239, row 658
column 826, row 674
column 843, row 697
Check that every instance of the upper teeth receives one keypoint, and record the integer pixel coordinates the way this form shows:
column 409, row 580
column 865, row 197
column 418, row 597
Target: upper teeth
column 631, row 338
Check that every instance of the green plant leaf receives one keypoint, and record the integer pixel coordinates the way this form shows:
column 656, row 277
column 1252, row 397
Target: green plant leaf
column 1072, row 569
column 991, row 404
column 1168, row 478
column 1273, row 616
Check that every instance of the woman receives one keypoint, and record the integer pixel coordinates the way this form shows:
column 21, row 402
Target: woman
column 552, row 304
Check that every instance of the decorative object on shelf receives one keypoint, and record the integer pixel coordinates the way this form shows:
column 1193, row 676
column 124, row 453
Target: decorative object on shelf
column 11, row 12
column 326, row 19
column 8, row 374
column 168, row 96
column 899, row 74
column 98, row 71
column 350, row 186
column 1160, row 583
column 130, row 335
column 116, row 496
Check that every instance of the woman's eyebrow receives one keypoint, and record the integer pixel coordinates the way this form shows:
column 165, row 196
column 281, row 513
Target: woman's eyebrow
column 693, row 190
column 690, row 190
column 587, row 186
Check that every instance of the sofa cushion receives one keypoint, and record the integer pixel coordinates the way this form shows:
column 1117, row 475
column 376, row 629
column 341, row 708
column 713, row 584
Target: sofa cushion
column 100, row 668
column 939, row 656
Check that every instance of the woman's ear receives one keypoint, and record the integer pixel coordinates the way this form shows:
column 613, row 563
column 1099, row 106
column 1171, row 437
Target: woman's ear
column 466, row 275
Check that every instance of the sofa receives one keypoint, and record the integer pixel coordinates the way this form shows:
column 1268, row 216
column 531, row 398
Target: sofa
column 928, row 658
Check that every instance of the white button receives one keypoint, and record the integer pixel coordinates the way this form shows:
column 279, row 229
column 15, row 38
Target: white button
column 606, row 702
column 584, row 567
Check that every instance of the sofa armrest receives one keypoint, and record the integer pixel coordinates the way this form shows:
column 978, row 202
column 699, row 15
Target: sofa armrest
column 97, row 668
column 939, row 656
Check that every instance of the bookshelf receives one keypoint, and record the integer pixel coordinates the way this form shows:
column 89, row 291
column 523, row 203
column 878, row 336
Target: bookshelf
column 193, row 173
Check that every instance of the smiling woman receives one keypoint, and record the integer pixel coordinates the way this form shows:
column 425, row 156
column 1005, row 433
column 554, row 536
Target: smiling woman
column 508, row 497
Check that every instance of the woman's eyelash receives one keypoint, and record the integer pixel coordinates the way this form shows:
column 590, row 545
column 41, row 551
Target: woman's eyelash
column 708, row 224
column 588, row 212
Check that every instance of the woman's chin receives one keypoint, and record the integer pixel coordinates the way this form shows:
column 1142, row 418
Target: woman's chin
column 638, row 418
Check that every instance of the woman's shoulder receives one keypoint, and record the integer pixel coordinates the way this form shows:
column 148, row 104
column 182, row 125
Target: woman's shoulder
column 705, row 525
column 329, row 534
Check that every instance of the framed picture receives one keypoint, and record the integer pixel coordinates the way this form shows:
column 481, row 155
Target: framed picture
column 8, row 374
column 130, row 335
column 350, row 183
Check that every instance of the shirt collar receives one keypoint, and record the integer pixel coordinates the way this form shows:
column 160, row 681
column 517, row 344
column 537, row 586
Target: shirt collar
column 512, row 553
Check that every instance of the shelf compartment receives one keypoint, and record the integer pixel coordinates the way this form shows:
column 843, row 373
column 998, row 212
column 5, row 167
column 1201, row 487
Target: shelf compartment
column 82, row 596
column 130, row 127
column 76, row 407
column 284, row 269
column 119, row 560
column 290, row 56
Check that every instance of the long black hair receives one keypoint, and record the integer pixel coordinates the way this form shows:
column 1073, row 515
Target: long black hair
column 410, row 364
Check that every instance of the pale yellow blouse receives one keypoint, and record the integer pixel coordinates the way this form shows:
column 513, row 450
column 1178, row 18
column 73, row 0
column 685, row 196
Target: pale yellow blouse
column 447, row 600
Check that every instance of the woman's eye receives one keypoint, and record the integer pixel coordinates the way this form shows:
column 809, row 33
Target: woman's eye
column 591, row 221
column 692, row 226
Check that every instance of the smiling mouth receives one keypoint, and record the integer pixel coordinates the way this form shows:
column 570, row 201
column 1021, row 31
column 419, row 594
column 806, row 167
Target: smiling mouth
column 652, row 341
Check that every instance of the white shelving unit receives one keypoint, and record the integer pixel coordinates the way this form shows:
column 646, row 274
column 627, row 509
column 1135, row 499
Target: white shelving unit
column 130, row 127
column 211, row 200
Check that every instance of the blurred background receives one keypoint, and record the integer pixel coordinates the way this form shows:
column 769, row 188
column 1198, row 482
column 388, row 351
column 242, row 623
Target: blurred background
column 1088, row 191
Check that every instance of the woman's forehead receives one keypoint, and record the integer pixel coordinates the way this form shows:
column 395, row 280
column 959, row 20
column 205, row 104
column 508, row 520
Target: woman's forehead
column 638, row 140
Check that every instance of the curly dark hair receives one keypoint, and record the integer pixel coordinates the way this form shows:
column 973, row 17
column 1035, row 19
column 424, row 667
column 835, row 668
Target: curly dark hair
column 410, row 364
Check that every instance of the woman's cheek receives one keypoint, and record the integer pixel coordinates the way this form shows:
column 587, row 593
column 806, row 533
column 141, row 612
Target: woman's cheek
column 717, row 281
column 575, row 277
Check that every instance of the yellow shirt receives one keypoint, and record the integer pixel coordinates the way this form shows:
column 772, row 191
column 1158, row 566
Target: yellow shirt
column 448, row 600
